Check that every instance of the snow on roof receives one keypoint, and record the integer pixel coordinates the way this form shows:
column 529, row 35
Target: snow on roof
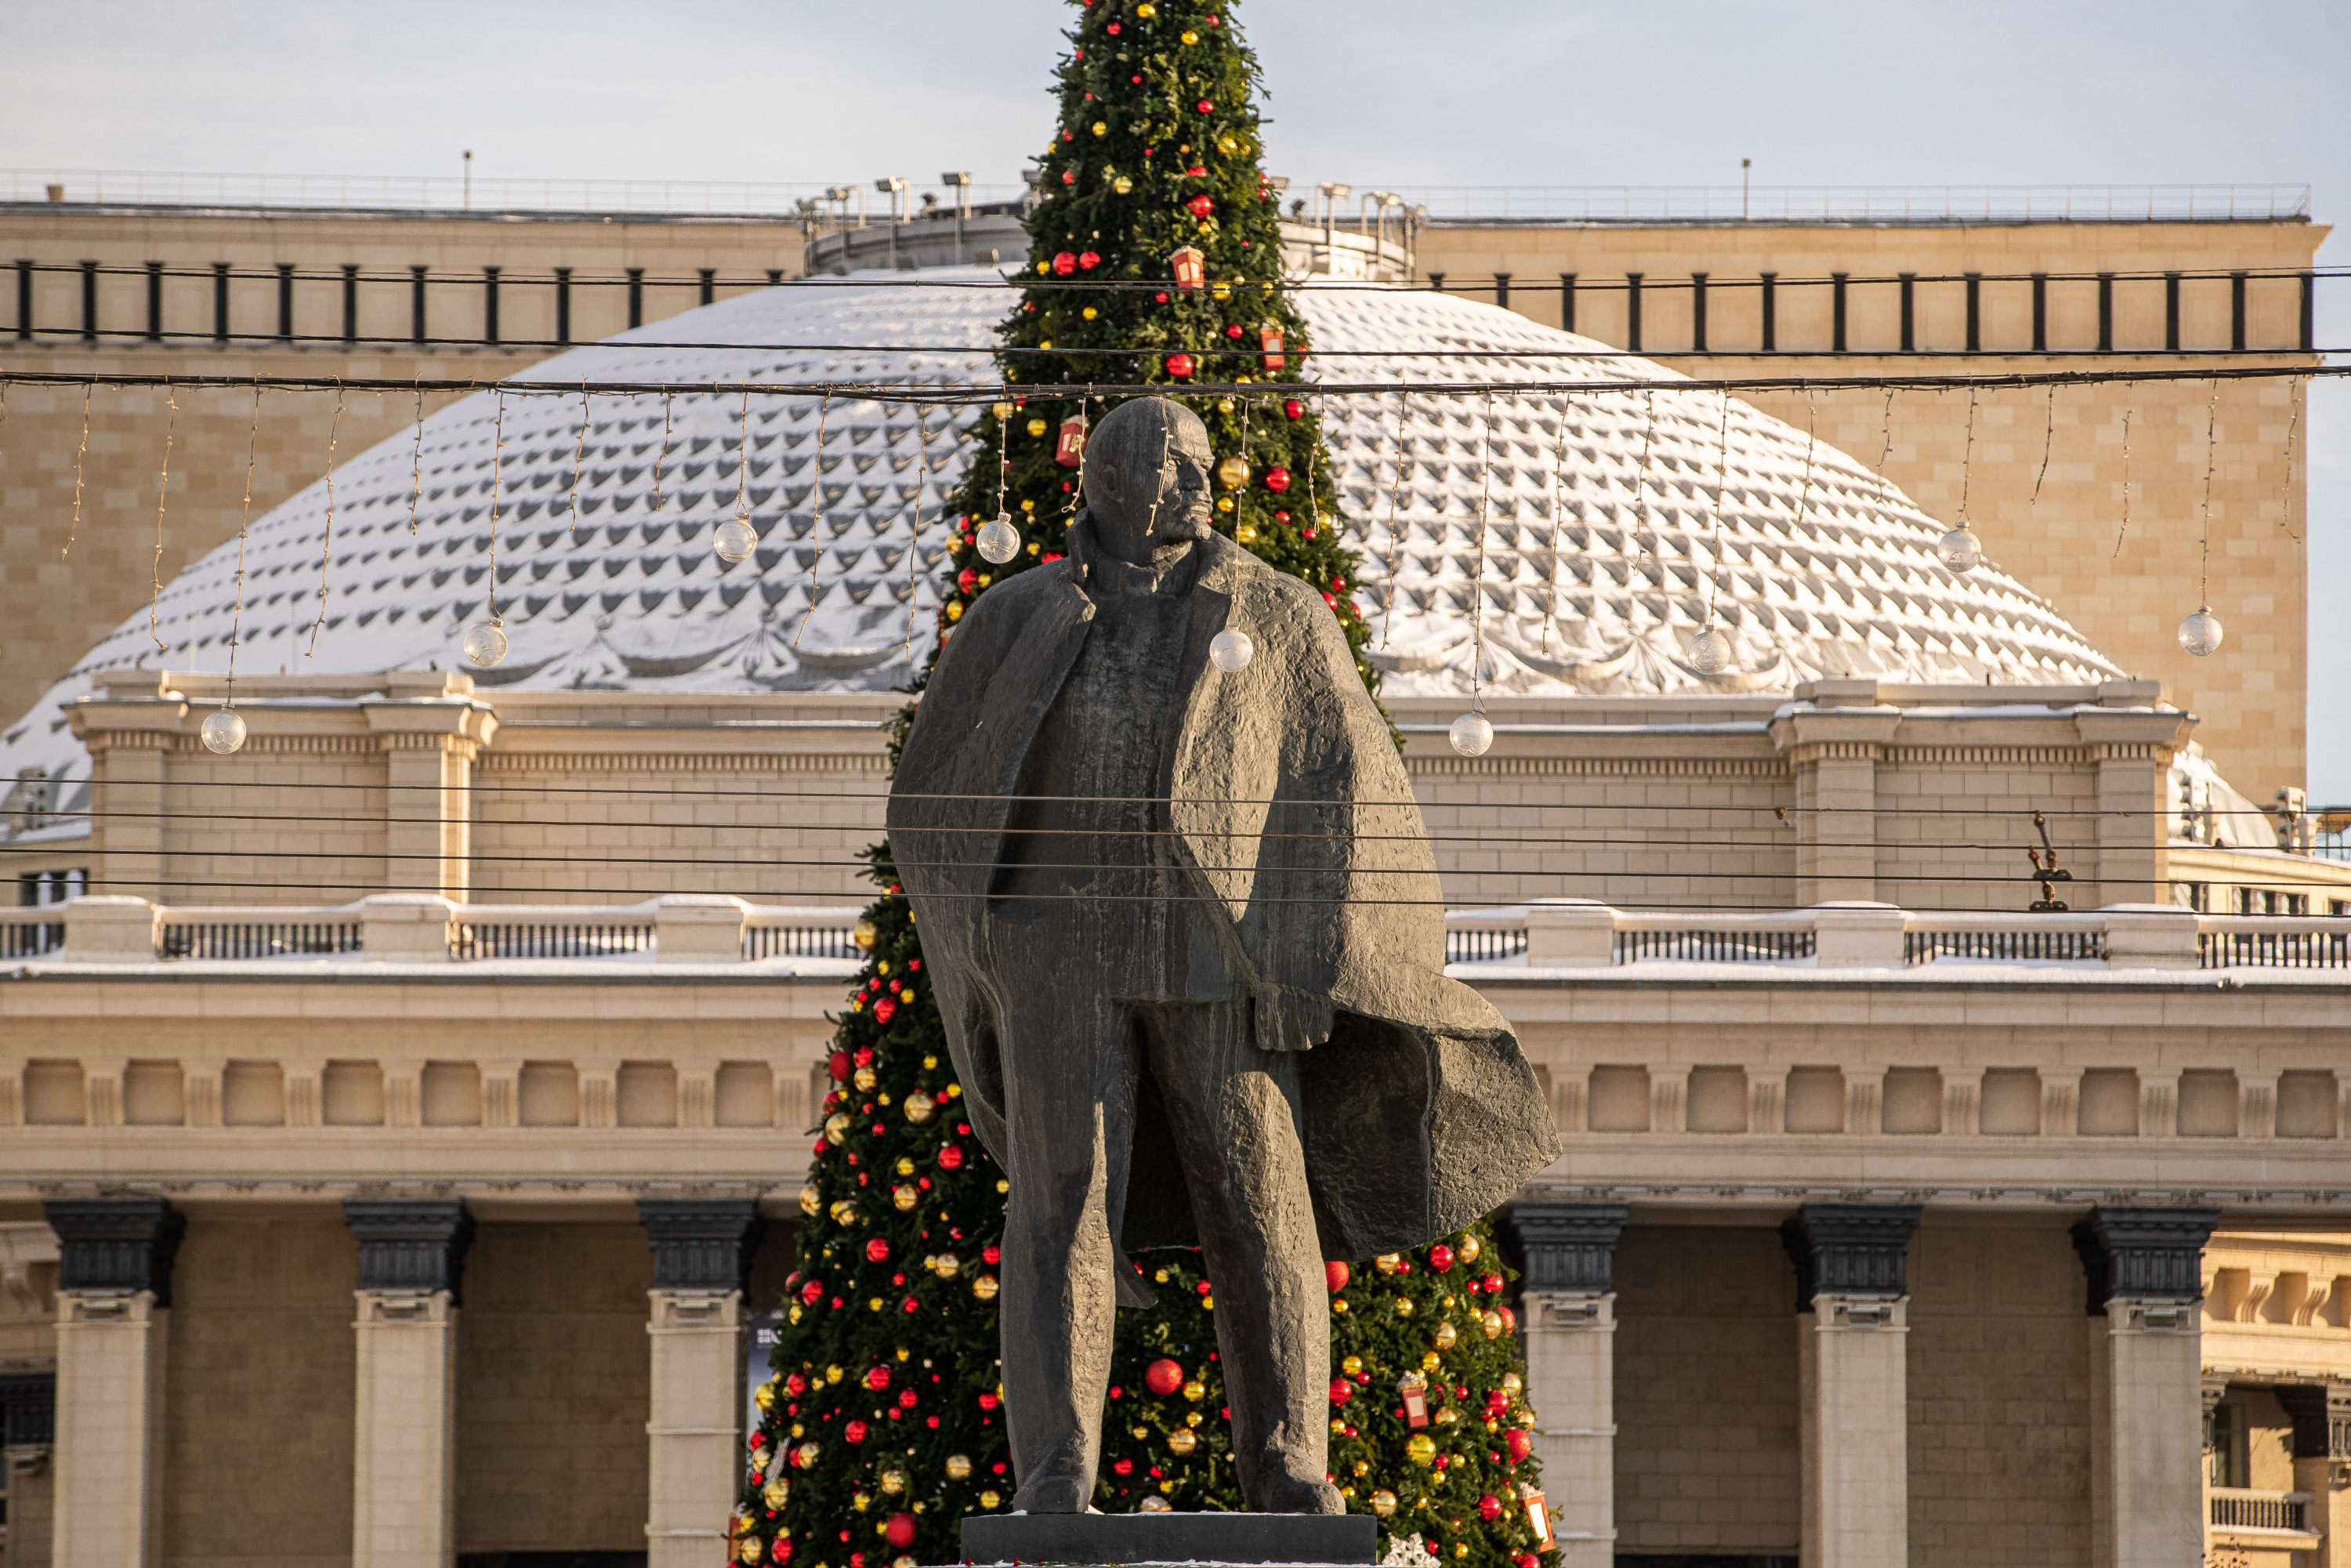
column 1599, row 521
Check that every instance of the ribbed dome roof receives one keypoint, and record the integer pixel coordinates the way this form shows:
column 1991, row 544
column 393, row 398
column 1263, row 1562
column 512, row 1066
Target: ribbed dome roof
column 1592, row 582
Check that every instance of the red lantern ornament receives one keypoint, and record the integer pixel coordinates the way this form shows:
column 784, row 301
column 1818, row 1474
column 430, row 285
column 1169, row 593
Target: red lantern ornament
column 1412, row 1388
column 1269, row 340
column 854, row 1432
column 1341, row 1391
column 1180, row 366
column 877, row 1250
column 1538, row 1519
column 1489, row 1507
column 899, row 1530
column 950, row 1158
column 1163, row 1377
column 1089, row 260
column 1064, row 264
column 1070, row 450
column 1200, row 206
column 1277, row 479
column 1293, row 409
column 1335, row 1276
column 1440, row 1257
column 1190, row 266
column 1518, row 1444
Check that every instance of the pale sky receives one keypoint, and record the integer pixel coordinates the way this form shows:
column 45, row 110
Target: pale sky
column 1374, row 92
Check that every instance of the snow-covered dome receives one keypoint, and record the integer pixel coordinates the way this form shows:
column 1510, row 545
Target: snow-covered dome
column 1603, row 520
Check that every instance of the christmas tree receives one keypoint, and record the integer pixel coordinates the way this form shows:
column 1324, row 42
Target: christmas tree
column 1154, row 260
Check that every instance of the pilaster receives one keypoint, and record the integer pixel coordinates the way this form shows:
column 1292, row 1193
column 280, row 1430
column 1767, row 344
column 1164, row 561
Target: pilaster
column 702, row 1259
column 403, row 1469
column 1833, row 752
column 2147, row 1387
column 1853, row 1295
column 1570, row 1296
column 429, row 741
column 2133, row 751
column 114, row 1294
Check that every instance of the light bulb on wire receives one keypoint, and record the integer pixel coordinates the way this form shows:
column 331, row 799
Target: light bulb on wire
column 2201, row 633
column 1709, row 650
column 998, row 540
column 1960, row 549
column 222, row 730
column 486, row 644
column 735, row 538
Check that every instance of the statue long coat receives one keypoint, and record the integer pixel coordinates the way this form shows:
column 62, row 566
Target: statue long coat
column 1293, row 817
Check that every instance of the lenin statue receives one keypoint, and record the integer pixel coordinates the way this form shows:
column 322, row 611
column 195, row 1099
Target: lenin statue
column 1185, row 933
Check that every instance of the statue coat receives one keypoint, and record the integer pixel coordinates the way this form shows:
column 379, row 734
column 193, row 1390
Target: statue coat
column 1295, row 821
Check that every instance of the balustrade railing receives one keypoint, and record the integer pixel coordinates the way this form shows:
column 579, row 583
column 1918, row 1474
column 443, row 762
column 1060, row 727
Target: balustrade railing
column 243, row 934
column 2239, row 1508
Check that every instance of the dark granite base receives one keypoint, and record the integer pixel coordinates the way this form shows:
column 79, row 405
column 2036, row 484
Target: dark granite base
column 1248, row 1538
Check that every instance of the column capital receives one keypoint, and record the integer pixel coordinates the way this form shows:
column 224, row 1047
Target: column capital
column 1857, row 1251
column 115, row 1246
column 2143, row 1255
column 702, row 1245
column 1569, row 1247
column 410, row 1246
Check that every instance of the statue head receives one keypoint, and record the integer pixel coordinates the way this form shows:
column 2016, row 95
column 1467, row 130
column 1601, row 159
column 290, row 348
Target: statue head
column 1147, row 477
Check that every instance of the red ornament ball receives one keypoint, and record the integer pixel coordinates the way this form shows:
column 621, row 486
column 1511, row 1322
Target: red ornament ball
column 1065, row 263
column 1333, row 1274
column 1293, row 409
column 1233, row 330
column 1529, row 1560
column 1277, row 479
column 877, row 1250
column 1089, row 260
column 1492, row 1283
column 1283, row 517
column 1068, row 176
column 864, row 1056
column 1207, row 108
column 1163, row 1377
column 1180, row 366
column 838, row 1065
column 1440, row 1257
column 1518, row 1444
column 1341, row 1391
column 950, row 1158
column 878, row 1379
column 854, row 1431
column 812, row 1293
column 1489, row 1507
column 1200, row 206
column 1160, row 297
column 1509, row 1321
column 900, row 1531
column 1111, row 29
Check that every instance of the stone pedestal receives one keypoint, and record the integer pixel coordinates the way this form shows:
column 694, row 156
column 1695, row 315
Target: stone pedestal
column 404, row 1406
column 2146, row 1428
column 1569, row 1313
column 114, row 1291
column 1852, row 1396
column 1237, row 1537
column 702, row 1253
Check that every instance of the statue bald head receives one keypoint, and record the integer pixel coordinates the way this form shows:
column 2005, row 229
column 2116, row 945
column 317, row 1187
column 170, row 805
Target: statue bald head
column 1147, row 477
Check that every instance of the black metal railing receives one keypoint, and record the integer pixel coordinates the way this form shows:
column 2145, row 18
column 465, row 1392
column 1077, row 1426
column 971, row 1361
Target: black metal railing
column 2063, row 945
column 1713, row 947
column 235, row 939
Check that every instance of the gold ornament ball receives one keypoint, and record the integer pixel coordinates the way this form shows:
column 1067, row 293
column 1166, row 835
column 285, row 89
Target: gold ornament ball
column 844, row 1212
column 777, row 1492
column 1101, row 128
column 1190, row 36
column 764, row 1397
column 893, row 1482
column 1384, row 1503
column 1233, row 473
column 812, row 1201
column 1195, row 1390
column 1223, row 405
column 834, row 1374
column 1220, row 289
column 1512, row 1383
column 904, row 1198
column 806, row 1454
column 984, row 1287
column 1153, row 1503
column 1446, row 1335
column 1122, row 184
column 751, row 1550
column 1244, row 533
column 1004, row 410
column 1362, row 1466
column 1228, row 144
column 947, row 1265
column 1447, row 1414
column 1352, row 1365
column 864, row 933
column 1421, row 1449
column 959, row 1467
column 1182, row 1441
column 905, row 1165
column 1223, row 503
column 919, row 1107
column 1089, row 312
column 1468, row 1249
column 1404, row 1306
column 836, row 1127
column 1492, row 1323
column 865, row 1078
column 1036, row 427
column 1388, row 1262
column 990, row 1499
column 1146, row 10
column 1431, row 1362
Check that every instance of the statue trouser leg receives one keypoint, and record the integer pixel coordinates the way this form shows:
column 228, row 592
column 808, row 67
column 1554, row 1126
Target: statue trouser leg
column 1070, row 1066
column 1233, row 1109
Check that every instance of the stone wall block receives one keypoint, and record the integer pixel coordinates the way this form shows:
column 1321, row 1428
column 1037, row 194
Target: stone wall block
column 698, row 929
column 1571, row 933
column 108, row 929
column 2149, row 936
column 407, row 927
column 1851, row 934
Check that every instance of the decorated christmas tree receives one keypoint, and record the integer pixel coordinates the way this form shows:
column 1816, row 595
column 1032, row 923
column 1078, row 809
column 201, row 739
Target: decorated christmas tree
column 1156, row 260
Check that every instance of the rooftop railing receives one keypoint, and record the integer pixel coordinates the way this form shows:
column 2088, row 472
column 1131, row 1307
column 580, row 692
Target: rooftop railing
column 437, row 194
column 1861, row 204
column 1554, row 935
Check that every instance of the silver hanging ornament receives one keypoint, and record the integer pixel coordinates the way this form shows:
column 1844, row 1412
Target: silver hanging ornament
column 486, row 644
column 735, row 539
column 998, row 541
column 1709, row 651
column 2201, row 633
column 1960, row 549
column 222, row 730
column 1472, row 734
column 1231, row 649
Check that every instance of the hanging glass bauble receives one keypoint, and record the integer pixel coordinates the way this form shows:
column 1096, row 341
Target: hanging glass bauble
column 486, row 644
column 223, row 730
column 735, row 539
column 2201, row 632
column 998, row 540
column 1471, row 734
column 1709, row 651
column 1231, row 649
column 1960, row 549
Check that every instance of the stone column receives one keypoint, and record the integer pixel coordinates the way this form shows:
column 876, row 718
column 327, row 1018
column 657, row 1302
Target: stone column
column 114, row 1298
column 2134, row 751
column 2147, row 1427
column 29, row 1413
column 1854, row 1421
column 702, row 1258
column 1833, row 750
column 1570, row 1296
column 404, row 1463
column 430, row 727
